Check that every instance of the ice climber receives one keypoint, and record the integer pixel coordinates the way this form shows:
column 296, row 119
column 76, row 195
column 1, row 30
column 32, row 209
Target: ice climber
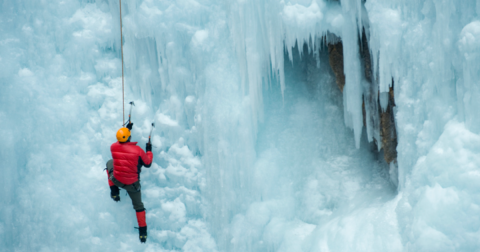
column 124, row 172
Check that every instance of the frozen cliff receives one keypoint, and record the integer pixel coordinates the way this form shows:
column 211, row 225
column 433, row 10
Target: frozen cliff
column 292, row 125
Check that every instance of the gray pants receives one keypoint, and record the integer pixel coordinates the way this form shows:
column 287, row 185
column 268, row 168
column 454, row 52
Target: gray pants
column 133, row 190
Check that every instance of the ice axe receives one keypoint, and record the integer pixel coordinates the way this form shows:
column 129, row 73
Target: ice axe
column 130, row 114
column 149, row 136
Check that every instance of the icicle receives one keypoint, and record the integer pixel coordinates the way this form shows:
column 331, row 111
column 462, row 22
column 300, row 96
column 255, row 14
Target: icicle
column 353, row 90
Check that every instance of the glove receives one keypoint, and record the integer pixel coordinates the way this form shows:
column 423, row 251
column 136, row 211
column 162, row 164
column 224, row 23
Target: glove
column 149, row 147
column 130, row 125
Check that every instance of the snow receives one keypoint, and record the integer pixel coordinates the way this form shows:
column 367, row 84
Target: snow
column 444, row 183
column 25, row 72
column 200, row 37
column 255, row 147
column 166, row 120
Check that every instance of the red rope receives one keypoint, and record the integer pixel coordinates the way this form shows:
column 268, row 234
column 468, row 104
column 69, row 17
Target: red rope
column 123, row 81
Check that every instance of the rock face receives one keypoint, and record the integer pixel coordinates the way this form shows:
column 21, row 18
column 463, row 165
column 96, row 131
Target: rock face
column 335, row 52
column 388, row 131
column 384, row 120
column 366, row 58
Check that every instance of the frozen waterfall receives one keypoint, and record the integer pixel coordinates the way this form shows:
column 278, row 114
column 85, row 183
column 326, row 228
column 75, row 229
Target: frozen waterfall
column 282, row 125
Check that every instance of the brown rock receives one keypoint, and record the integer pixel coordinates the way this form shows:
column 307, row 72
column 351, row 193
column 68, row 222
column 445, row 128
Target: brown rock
column 388, row 131
column 365, row 54
column 335, row 52
column 364, row 112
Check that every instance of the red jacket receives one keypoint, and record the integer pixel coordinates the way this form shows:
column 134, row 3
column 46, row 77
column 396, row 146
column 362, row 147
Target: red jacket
column 128, row 159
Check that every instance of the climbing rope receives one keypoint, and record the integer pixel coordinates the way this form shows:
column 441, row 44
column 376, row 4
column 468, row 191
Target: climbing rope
column 123, row 80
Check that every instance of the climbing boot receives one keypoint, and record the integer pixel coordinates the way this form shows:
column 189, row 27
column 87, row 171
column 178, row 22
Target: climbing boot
column 142, row 225
column 142, row 234
column 115, row 193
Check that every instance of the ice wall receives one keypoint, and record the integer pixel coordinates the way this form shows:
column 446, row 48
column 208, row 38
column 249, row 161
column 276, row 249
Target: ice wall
column 61, row 106
column 232, row 62
column 429, row 50
column 255, row 148
column 424, row 47
column 263, row 30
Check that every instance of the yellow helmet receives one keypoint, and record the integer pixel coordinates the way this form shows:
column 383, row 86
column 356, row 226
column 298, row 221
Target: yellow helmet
column 123, row 134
